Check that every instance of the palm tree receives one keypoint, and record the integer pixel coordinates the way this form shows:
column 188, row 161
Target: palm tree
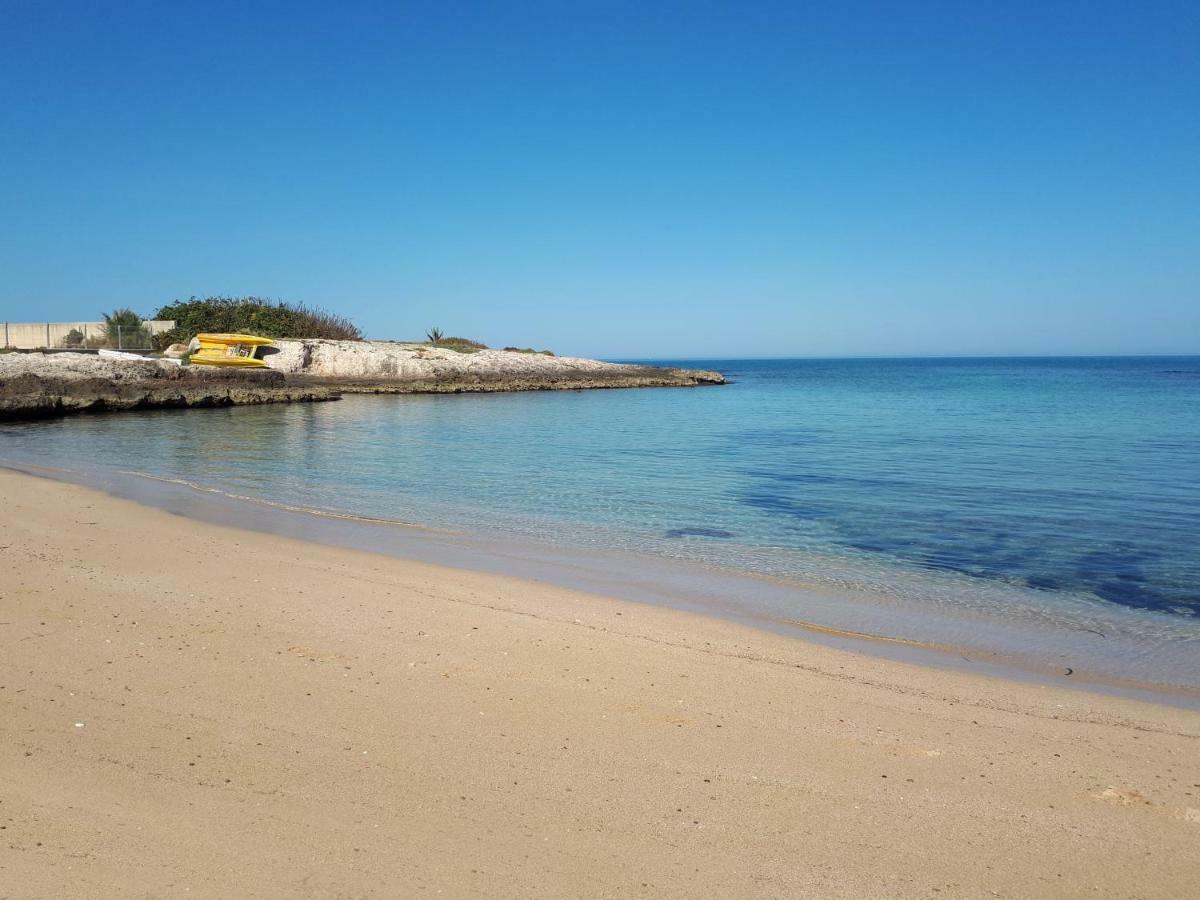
column 123, row 328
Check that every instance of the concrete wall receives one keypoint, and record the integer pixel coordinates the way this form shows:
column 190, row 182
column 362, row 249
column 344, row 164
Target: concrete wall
column 32, row 335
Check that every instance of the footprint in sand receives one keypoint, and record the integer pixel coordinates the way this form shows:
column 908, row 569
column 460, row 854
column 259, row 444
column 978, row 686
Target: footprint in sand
column 1121, row 796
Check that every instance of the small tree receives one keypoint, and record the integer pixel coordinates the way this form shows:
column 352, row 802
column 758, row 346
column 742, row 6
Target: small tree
column 74, row 338
column 123, row 328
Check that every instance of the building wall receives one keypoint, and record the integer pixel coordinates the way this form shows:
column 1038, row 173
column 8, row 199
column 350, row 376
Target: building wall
column 34, row 335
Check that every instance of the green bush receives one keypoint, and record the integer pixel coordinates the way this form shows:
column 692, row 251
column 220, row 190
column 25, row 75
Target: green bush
column 529, row 350
column 251, row 315
column 74, row 338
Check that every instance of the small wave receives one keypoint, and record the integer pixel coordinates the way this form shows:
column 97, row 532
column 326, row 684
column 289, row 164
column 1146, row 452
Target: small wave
column 274, row 504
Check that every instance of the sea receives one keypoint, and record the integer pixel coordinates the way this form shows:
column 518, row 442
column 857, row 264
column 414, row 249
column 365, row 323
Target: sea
column 1038, row 513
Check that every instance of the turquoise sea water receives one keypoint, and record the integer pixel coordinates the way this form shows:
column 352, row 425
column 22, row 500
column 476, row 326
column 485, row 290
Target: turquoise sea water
column 1008, row 487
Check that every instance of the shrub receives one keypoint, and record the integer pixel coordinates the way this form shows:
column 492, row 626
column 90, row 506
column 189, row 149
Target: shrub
column 529, row 350
column 74, row 338
column 461, row 344
column 252, row 315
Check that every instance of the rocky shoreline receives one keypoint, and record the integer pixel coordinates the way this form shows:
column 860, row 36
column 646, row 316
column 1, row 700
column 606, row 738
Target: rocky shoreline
column 42, row 385
column 38, row 386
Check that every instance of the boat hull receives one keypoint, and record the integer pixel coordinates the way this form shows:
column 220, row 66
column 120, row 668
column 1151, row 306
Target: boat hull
column 230, row 350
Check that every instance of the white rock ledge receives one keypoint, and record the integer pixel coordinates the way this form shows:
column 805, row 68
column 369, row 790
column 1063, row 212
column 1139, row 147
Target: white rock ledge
column 438, row 368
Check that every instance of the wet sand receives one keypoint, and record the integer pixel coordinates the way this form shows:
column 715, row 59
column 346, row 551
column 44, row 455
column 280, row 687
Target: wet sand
column 189, row 708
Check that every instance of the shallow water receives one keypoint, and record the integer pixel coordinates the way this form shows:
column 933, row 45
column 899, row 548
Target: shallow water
column 1059, row 493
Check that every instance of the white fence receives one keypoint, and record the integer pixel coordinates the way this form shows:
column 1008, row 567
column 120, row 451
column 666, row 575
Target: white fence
column 81, row 335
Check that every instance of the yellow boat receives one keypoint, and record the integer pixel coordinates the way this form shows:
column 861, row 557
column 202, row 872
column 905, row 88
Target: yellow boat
column 229, row 350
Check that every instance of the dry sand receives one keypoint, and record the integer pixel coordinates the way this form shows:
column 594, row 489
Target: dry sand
column 189, row 709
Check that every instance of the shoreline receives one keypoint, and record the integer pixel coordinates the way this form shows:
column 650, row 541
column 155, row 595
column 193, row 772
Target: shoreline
column 372, row 726
column 39, row 385
column 927, row 635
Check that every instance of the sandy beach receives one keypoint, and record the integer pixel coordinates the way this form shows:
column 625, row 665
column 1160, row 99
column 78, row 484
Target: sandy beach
column 193, row 710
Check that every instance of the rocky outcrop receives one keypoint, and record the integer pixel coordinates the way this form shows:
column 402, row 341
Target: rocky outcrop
column 39, row 385
column 36, row 385
column 390, row 367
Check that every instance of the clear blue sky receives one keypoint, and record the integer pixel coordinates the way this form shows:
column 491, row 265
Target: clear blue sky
column 618, row 179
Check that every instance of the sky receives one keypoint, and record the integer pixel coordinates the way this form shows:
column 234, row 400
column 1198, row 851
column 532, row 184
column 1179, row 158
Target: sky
column 625, row 180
